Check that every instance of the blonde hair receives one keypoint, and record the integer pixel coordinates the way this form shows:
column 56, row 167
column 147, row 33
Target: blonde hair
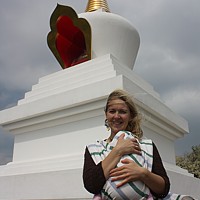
column 134, row 124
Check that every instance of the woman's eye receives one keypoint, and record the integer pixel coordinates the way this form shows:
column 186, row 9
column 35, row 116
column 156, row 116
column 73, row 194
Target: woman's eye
column 121, row 112
column 111, row 111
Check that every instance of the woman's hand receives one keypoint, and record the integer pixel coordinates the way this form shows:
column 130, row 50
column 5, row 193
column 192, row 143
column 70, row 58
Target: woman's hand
column 127, row 146
column 130, row 171
column 123, row 147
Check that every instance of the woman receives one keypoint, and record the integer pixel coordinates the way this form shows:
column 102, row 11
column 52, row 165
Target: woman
column 121, row 115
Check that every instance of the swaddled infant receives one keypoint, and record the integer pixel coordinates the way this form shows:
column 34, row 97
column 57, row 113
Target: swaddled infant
column 136, row 190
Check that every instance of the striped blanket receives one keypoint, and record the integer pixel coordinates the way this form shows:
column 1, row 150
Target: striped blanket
column 168, row 197
column 132, row 190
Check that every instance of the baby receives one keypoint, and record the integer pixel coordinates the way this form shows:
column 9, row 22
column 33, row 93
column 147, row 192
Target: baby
column 132, row 190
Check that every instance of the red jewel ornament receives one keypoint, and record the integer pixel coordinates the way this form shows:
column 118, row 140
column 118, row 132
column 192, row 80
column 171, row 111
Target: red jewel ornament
column 70, row 37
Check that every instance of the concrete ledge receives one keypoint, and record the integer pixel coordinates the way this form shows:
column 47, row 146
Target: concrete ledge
column 57, row 185
column 182, row 184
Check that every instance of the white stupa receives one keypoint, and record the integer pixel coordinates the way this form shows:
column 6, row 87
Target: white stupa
column 64, row 112
column 113, row 34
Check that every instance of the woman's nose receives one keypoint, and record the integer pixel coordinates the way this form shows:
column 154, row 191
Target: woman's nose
column 117, row 115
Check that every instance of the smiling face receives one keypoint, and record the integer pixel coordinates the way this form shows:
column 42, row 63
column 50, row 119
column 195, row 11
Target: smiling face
column 118, row 115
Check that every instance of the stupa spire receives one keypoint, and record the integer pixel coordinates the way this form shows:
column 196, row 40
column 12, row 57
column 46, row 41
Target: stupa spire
column 97, row 4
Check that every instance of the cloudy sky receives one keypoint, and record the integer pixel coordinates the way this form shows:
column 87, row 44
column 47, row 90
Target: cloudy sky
column 168, row 58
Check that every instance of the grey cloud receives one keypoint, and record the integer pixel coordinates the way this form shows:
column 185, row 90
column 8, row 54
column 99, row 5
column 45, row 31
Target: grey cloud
column 6, row 147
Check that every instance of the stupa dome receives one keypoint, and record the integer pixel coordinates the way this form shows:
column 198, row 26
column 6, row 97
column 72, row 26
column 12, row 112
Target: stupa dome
column 113, row 34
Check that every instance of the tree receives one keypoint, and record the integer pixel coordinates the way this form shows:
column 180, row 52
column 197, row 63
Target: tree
column 190, row 161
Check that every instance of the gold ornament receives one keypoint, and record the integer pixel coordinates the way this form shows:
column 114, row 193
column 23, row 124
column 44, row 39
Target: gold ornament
column 97, row 4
